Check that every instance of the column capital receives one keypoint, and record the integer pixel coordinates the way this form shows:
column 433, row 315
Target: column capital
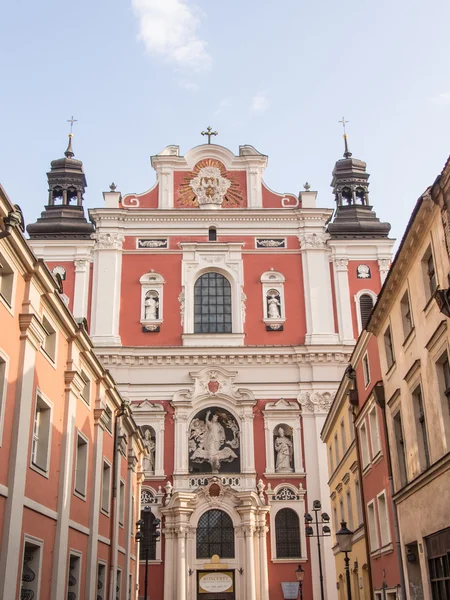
column 341, row 264
column 81, row 264
column 108, row 241
column 313, row 241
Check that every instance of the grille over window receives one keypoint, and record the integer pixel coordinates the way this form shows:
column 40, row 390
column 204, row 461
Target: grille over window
column 212, row 304
column 365, row 306
column 215, row 535
column 287, row 531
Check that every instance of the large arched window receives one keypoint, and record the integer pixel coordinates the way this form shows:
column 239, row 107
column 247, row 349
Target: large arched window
column 215, row 535
column 147, row 549
column 365, row 306
column 212, row 304
column 287, row 529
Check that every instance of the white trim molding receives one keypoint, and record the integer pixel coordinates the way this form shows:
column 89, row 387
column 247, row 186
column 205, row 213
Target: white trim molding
column 272, row 283
column 152, row 288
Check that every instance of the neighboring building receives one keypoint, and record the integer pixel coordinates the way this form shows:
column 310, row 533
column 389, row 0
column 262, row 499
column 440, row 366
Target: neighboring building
column 413, row 344
column 225, row 312
column 69, row 448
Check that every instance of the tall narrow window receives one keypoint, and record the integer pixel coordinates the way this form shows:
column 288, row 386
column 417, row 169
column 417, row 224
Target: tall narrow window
column 212, row 234
column 350, row 523
column 86, row 392
column 121, row 502
column 443, row 372
column 118, row 584
column 336, row 449
column 359, row 514
column 389, row 347
column 287, row 533
column 30, row 570
column 6, row 281
column 373, row 531
column 73, row 580
column 49, row 343
column 40, row 446
column 212, row 304
column 366, row 370
column 106, row 486
column 384, row 519
column 429, row 270
column 374, row 432
column 3, row 385
column 343, row 437
column 405, row 308
column 400, row 449
column 364, row 445
column 215, row 535
column 81, row 464
column 341, row 510
column 421, row 427
column 101, row 581
column 330, row 453
column 147, row 547
column 365, row 307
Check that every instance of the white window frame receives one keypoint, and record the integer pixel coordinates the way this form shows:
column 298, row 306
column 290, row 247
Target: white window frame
column 50, row 330
column 403, row 312
column 40, row 397
column 79, row 556
column 350, row 517
column 224, row 258
column 374, row 540
column 4, row 370
column 121, row 503
column 106, row 511
column 273, row 280
column 359, row 510
column 101, row 593
column 298, row 506
column 81, row 494
column 87, row 389
column 384, row 519
column 365, row 453
column 119, row 582
column 152, row 282
column 39, row 543
column 343, row 437
column 7, row 299
column 374, row 428
column 424, row 263
column 357, row 298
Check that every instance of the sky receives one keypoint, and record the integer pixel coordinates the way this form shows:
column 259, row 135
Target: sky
column 139, row 75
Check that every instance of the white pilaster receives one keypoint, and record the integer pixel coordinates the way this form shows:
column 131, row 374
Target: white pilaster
column 32, row 336
column 181, row 564
column 169, row 560
column 74, row 386
column 343, row 306
column 250, row 562
column 264, row 576
column 106, row 289
column 81, row 291
column 317, row 286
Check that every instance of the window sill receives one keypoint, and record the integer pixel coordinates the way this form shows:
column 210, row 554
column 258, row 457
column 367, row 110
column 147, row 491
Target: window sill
column 48, row 357
column 213, row 339
column 39, row 470
column 79, row 495
column 104, row 512
column 429, row 304
column 377, row 458
column 289, row 560
column 391, row 370
column 367, row 469
column 409, row 338
column 150, row 562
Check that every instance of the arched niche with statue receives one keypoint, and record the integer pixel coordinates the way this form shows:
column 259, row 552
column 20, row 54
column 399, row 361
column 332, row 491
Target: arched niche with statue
column 283, row 448
column 214, row 442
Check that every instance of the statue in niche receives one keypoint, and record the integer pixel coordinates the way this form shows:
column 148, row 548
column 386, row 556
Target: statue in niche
column 273, row 305
column 214, row 439
column 149, row 460
column 284, row 450
column 151, row 306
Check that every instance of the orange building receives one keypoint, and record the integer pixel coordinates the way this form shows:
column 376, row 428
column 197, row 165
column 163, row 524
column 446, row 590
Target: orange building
column 70, row 451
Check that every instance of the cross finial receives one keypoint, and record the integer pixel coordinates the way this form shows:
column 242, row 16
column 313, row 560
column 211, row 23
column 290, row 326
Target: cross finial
column 347, row 152
column 209, row 132
column 72, row 121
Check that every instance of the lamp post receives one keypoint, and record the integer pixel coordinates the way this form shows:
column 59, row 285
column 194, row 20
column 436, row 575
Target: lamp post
column 325, row 532
column 344, row 540
column 300, row 574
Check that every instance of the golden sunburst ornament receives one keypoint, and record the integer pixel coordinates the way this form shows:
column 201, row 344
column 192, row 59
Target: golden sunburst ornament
column 187, row 198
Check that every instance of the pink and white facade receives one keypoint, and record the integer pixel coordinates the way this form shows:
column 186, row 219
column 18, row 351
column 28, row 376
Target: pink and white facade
column 226, row 313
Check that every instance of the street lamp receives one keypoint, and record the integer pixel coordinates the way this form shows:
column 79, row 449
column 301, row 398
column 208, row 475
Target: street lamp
column 325, row 532
column 300, row 574
column 344, row 538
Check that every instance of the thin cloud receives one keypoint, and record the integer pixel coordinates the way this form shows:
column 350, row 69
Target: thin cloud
column 223, row 105
column 168, row 28
column 260, row 103
column 442, row 99
column 188, row 85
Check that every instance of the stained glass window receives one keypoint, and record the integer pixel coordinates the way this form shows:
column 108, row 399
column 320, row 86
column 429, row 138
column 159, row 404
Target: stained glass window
column 287, row 530
column 212, row 304
column 215, row 535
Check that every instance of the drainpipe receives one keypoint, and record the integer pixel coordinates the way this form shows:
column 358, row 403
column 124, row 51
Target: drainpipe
column 381, row 401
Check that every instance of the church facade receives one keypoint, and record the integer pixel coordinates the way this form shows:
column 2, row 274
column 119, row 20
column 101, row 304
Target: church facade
column 226, row 313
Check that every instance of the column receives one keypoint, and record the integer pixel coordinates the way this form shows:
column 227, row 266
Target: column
column 31, row 336
column 343, row 306
column 106, row 289
column 250, row 562
column 317, row 289
column 181, row 564
column 74, row 386
column 169, row 540
column 81, row 291
column 264, row 576
column 247, row 448
column 181, row 459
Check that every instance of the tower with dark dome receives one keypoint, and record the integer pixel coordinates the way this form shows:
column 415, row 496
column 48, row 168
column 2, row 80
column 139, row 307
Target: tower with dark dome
column 63, row 216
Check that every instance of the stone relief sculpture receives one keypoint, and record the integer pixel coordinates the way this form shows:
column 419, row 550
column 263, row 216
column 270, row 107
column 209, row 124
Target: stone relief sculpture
column 149, row 442
column 214, row 439
column 151, row 306
column 273, row 305
column 210, row 186
column 284, row 450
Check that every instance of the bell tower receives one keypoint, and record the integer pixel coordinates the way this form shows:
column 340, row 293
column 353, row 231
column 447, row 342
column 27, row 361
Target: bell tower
column 63, row 216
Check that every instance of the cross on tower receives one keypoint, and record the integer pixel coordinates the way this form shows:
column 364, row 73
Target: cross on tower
column 343, row 121
column 209, row 132
column 72, row 121
column 347, row 152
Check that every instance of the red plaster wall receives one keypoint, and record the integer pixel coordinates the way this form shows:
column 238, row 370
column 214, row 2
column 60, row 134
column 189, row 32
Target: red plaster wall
column 273, row 200
column 44, row 529
column 355, row 284
column 148, row 199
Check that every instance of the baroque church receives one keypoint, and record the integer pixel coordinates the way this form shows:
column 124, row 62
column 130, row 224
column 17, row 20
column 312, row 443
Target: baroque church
column 226, row 313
